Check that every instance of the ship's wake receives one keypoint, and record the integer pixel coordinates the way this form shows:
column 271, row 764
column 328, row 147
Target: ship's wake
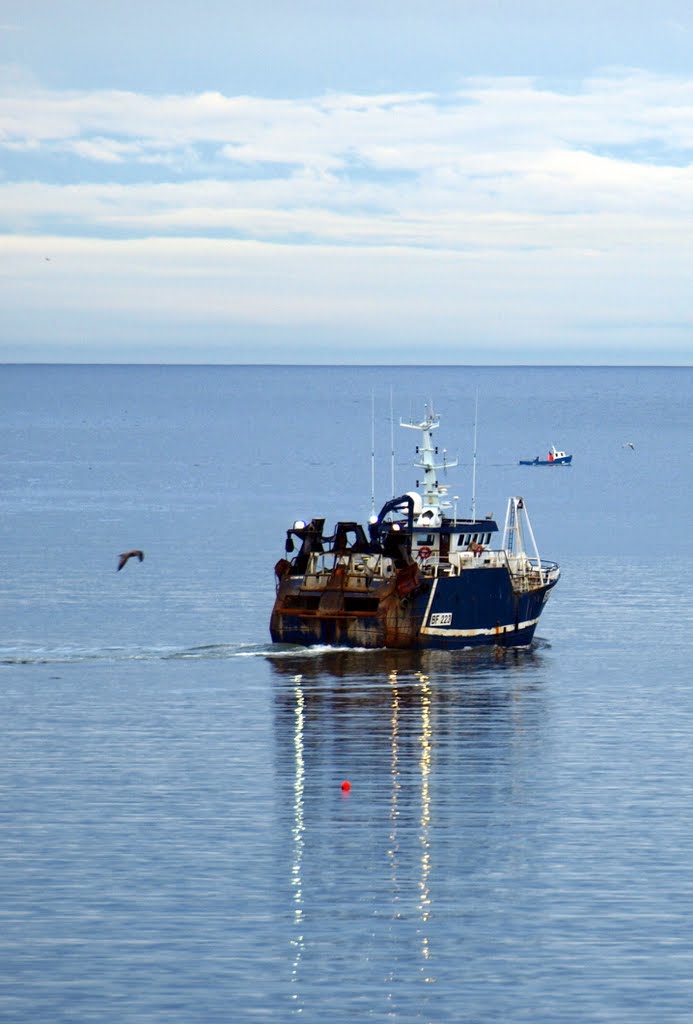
column 69, row 655
column 277, row 654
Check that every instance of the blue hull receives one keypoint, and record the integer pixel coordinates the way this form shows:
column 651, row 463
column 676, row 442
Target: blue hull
column 478, row 608
column 565, row 461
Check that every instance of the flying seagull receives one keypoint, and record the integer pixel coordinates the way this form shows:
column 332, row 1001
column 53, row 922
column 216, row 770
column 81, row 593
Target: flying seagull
column 629, row 444
column 122, row 559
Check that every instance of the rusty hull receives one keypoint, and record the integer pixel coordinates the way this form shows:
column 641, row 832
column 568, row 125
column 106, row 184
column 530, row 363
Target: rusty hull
column 337, row 613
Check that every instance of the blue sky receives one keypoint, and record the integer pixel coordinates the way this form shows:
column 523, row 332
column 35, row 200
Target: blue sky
column 438, row 182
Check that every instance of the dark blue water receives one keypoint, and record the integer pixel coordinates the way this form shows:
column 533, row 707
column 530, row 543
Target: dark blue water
column 175, row 845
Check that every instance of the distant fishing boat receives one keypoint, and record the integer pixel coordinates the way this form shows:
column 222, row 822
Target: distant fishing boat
column 416, row 576
column 554, row 458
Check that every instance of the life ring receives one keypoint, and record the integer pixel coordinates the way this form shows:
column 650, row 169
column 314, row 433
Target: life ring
column 424, row 553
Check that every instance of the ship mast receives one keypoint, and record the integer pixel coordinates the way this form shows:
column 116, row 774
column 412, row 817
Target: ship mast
column 476, row 416
column 432, row 491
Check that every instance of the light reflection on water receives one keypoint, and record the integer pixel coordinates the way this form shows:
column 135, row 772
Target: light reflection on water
column 298, row 834
column 410, row 731
column 424, row 837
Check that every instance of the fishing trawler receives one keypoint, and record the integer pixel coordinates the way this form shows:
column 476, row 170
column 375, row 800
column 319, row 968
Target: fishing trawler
column 416, row 576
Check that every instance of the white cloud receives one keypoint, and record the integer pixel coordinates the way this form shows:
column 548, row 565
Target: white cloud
column 622, row 108
column 403, row 295
column 507, row 210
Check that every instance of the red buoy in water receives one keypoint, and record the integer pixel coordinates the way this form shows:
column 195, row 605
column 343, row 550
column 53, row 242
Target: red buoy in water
column 346, row 786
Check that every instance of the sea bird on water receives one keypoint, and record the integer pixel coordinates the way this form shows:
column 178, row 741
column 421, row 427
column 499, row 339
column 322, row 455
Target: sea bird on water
column 122, row 559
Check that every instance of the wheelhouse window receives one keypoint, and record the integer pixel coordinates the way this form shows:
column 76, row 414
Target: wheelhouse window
column 465, row 539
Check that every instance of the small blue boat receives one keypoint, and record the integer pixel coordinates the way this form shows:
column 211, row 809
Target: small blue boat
column 555, row 458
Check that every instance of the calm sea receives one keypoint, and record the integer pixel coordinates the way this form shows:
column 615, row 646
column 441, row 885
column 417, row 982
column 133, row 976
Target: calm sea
column 517, row 843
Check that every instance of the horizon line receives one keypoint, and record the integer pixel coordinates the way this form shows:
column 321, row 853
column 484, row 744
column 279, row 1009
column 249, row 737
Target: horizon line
column 337, row 365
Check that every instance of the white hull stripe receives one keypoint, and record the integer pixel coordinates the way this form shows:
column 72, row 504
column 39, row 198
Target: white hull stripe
column 492, row 631
column 427, row 613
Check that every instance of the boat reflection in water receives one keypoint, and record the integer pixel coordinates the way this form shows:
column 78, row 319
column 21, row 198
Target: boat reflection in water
column 429, row 741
